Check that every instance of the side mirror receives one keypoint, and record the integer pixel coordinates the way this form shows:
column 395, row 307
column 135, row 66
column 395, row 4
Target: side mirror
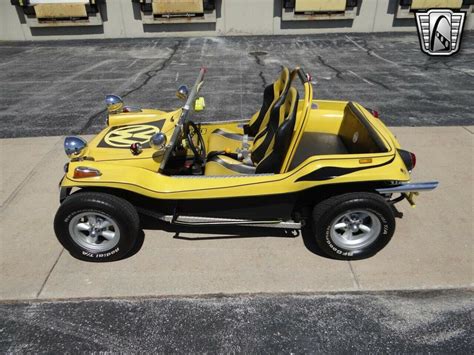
column 158, row 141
column 114, row 103
column 182, row 93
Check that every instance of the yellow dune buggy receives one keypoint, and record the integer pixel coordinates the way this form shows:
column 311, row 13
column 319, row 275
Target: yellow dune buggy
column 332, row 165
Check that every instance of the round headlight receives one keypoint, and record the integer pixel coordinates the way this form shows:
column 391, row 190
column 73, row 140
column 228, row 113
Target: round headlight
column 114, row 103
column 182, row 93
column 158, row 141
column 74, row 146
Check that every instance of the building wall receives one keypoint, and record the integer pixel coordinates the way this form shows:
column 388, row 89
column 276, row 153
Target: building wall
column 234, row 17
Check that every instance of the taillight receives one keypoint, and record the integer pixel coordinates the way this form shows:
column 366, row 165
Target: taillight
column 413, row 159
column 84, row 172
column 374, row 113
column 408, row 158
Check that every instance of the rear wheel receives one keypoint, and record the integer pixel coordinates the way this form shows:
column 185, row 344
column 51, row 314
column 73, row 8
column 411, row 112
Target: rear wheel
column 353, row 226
column 96, row 226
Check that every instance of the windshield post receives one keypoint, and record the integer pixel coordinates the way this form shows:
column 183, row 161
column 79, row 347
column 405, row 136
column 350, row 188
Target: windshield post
column 182, row 119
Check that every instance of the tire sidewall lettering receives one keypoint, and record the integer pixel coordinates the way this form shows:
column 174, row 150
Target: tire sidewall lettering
column 333, row 247
column 86, row 253
column 72, row 214
column 118, row 209
column 342, row 252
column 100, row 255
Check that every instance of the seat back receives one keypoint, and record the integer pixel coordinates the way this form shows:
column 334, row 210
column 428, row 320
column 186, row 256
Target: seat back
column 278, row 135
column 271, row 94
column 263, row 139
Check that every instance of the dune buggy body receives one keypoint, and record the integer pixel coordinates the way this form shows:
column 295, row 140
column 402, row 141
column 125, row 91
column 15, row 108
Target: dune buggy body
column 336, row 148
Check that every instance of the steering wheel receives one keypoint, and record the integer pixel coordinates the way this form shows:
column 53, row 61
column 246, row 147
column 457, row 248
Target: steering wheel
column 190, row 131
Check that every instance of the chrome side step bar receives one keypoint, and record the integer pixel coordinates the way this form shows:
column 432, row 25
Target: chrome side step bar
column 409, row 187
column 208, row 221
column 193, row 220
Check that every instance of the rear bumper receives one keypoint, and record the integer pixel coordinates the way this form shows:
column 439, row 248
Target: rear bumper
column 409, row 187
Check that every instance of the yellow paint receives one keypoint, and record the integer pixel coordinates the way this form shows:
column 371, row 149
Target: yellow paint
column 140, row 179
column 60, row 10
column 220, row 142
column 320, row 5
column 122, row 170
column 177, row 6
column 200, row 104
column 429, row 4
column 411, row 198
column 302, row 117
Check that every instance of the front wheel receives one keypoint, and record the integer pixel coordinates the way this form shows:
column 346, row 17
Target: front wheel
column 96, row 226
column 353, row 226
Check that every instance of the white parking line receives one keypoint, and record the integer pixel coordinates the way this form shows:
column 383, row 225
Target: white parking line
column 361, row 78
column 372, row 52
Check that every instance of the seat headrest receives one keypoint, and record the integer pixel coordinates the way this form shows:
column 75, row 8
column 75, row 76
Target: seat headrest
column 283, row 81
column 291, row 101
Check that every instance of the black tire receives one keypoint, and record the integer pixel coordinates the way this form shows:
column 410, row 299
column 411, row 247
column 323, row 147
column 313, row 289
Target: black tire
column 118, row 210
column 326, row 212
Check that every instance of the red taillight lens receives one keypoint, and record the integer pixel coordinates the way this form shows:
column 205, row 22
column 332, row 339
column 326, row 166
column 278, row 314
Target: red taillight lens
column 409, row 159
column 413, row 160
column 374, row 113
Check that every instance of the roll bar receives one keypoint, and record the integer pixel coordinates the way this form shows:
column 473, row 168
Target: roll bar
column 302, row 75
column 301, row 122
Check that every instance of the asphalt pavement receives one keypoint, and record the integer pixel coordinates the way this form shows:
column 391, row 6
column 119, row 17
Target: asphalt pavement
column 437, row 321
column 58, row 88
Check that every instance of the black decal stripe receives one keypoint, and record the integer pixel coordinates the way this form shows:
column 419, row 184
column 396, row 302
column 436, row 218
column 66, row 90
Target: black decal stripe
column 103, row 144
column 331, row 172
column 268, row 97
column 104, row 182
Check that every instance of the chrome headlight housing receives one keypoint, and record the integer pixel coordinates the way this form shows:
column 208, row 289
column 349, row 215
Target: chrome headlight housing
column 158, row 141
column 182, row 93
column 74, row 146
column 114, row 103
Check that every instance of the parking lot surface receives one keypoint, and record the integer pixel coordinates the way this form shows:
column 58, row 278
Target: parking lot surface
column 394, row 322
column 57, row 88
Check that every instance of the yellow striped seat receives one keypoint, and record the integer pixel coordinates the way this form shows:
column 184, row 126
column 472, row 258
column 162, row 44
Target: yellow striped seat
column 269, row 148
column 231, row 139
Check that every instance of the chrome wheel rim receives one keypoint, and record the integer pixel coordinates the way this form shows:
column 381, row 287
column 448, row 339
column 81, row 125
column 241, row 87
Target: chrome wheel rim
column 94, row 231
column 355, row 229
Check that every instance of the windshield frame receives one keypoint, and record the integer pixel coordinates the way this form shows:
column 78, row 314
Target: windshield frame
column 185, row 114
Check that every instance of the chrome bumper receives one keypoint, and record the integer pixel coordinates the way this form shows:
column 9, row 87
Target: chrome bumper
column 409, row 187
